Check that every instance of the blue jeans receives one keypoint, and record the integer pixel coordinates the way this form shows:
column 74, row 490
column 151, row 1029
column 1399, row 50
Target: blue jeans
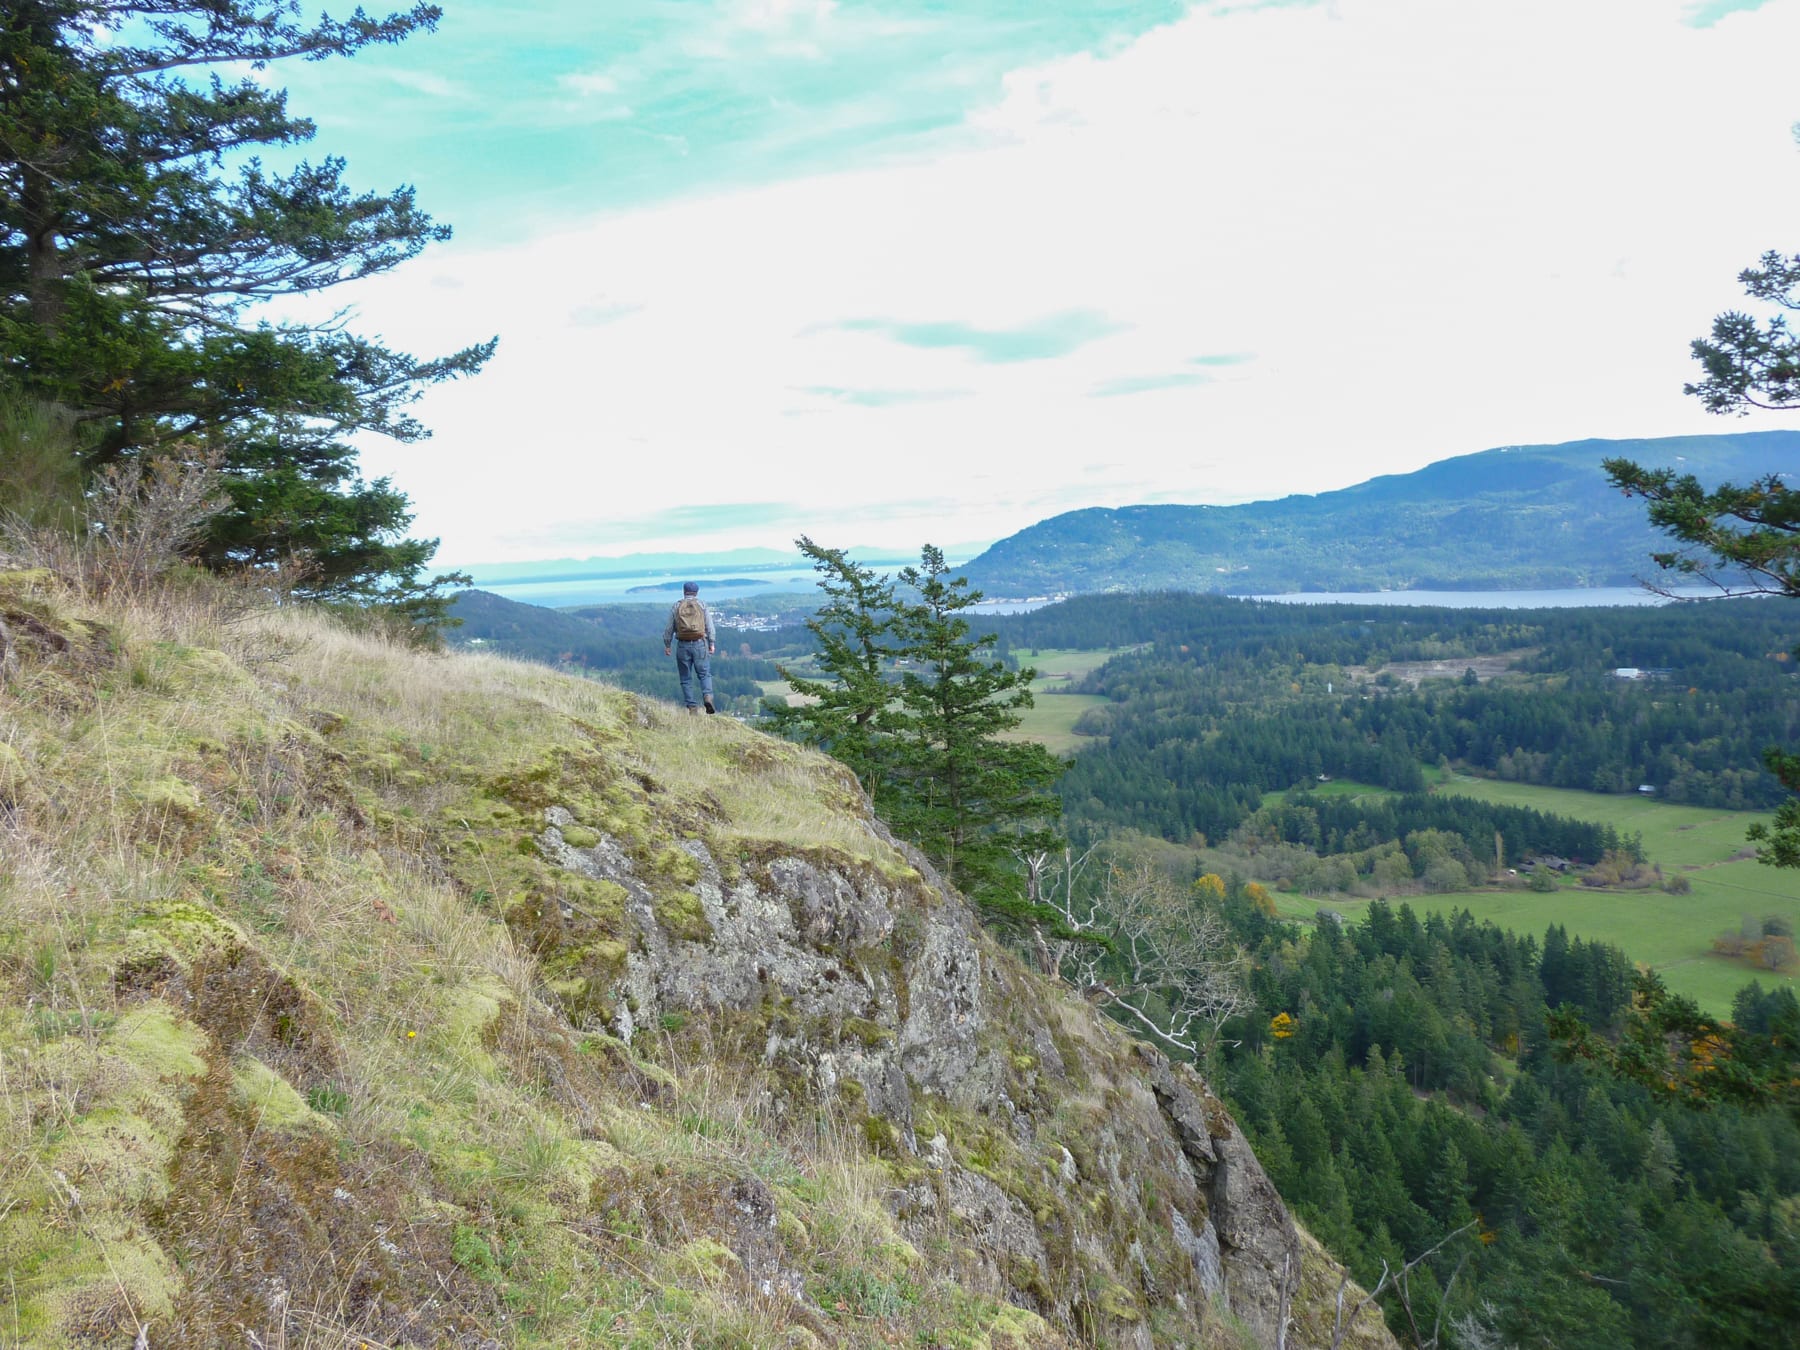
column 691, row 660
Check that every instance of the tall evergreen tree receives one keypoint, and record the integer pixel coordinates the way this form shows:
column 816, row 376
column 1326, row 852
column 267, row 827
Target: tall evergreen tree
column 967, row 797
column 1745, row 535
column 917, row 705
column 138, row 232
column 844, row 711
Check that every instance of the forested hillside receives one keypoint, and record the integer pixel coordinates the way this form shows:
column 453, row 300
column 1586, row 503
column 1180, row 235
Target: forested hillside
column 1233, row 699
column 1518, row 517
column 1397, row 1083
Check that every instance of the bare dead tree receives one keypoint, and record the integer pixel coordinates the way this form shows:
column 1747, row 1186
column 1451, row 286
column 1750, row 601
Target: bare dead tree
column 145, row 515
column 1399, row 1282
column 1477, row 1331
column 1051, row 881
column 1167, row 965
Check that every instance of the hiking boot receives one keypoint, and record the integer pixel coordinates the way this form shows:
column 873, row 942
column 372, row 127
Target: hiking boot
column 710, row 710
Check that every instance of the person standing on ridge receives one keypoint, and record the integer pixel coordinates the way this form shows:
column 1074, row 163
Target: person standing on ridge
column 690, row 625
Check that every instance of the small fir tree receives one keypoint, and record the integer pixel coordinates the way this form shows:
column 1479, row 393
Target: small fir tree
column 844, row 714
column 968, row 798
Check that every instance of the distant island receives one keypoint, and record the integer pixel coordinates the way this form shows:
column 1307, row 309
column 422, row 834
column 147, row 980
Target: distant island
column 710, row 581
column 1522, row 517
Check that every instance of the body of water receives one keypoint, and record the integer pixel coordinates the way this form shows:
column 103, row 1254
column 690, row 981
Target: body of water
column 1585, row 597
column 637, row 591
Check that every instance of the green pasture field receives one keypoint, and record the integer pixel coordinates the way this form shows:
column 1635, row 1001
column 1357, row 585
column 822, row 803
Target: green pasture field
column 1337, row 787
column 1675, row 836
column 1671, row 933
column 1051, row 722
column 1062, row 668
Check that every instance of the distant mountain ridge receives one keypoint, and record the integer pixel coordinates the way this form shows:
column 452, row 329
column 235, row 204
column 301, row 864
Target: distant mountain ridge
column 1514, row 518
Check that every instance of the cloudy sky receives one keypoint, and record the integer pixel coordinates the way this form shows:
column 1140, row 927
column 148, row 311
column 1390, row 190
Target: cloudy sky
column 905, row 270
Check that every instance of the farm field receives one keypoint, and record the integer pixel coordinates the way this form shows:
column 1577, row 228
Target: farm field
column 1336, row 787
column 780, row 689
column 1051, row 722
column 1674, row 835
column 1671, row 933
column 1061, row 668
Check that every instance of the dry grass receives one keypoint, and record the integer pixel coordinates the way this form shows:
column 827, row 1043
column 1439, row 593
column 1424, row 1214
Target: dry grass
column 268, row 1006
column 200, row 787
column 757, row 788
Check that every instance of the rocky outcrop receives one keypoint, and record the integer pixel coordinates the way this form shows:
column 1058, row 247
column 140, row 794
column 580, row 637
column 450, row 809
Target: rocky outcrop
column 385, row 999
column 1097, row 1183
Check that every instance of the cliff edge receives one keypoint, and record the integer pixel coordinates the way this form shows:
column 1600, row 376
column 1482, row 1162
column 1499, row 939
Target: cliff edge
column 359, row 996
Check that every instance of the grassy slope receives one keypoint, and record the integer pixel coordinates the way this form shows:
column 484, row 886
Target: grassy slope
column 227, row 886
column 1051, row 721
column 1672, row 933
column 284, row 994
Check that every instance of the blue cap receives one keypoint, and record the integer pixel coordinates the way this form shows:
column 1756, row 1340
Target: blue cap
column 690, row 588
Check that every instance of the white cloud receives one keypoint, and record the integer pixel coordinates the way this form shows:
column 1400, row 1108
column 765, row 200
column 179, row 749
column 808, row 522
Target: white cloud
column 589, row 83
column 779, row 15
column 422, row 82
column 1439, row 225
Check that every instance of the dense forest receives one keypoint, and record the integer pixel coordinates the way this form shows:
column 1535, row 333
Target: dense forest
column 1234, row 699
column 1397, row 1083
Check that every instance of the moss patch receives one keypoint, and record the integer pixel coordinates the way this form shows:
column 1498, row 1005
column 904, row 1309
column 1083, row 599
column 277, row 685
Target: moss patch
column 682, row 915
column 269, row 1100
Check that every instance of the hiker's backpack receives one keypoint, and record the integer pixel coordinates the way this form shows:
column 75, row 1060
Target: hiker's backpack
column 690, row 620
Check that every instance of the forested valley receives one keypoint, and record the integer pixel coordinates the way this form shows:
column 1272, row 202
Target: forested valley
column 1398, row 1084
column 1397, row 1073
column 1227, row 700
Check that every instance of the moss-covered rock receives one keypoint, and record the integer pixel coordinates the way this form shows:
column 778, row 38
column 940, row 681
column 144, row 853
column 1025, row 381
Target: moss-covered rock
column 410, row 1000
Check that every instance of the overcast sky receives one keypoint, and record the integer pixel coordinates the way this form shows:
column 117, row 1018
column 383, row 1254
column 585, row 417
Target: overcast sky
column 919, row 270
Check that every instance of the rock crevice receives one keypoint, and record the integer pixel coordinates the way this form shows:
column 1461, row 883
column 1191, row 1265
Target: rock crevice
column 1093, row 1180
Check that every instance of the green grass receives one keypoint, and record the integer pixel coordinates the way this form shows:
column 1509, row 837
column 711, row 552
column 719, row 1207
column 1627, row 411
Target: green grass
column 1675, row 836
column 1670, row 933
column 1051, row 722
column 1337, row 787
column 1061, row 668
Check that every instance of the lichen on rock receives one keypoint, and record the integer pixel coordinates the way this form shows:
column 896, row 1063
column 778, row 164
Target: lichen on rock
column 498, row 1008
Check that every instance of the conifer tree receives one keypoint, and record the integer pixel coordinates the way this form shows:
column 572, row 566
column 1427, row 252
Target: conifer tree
column 138, row 232
column 1740, row 536
column 968, row 798
column 916, row 706
column 845, row 712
